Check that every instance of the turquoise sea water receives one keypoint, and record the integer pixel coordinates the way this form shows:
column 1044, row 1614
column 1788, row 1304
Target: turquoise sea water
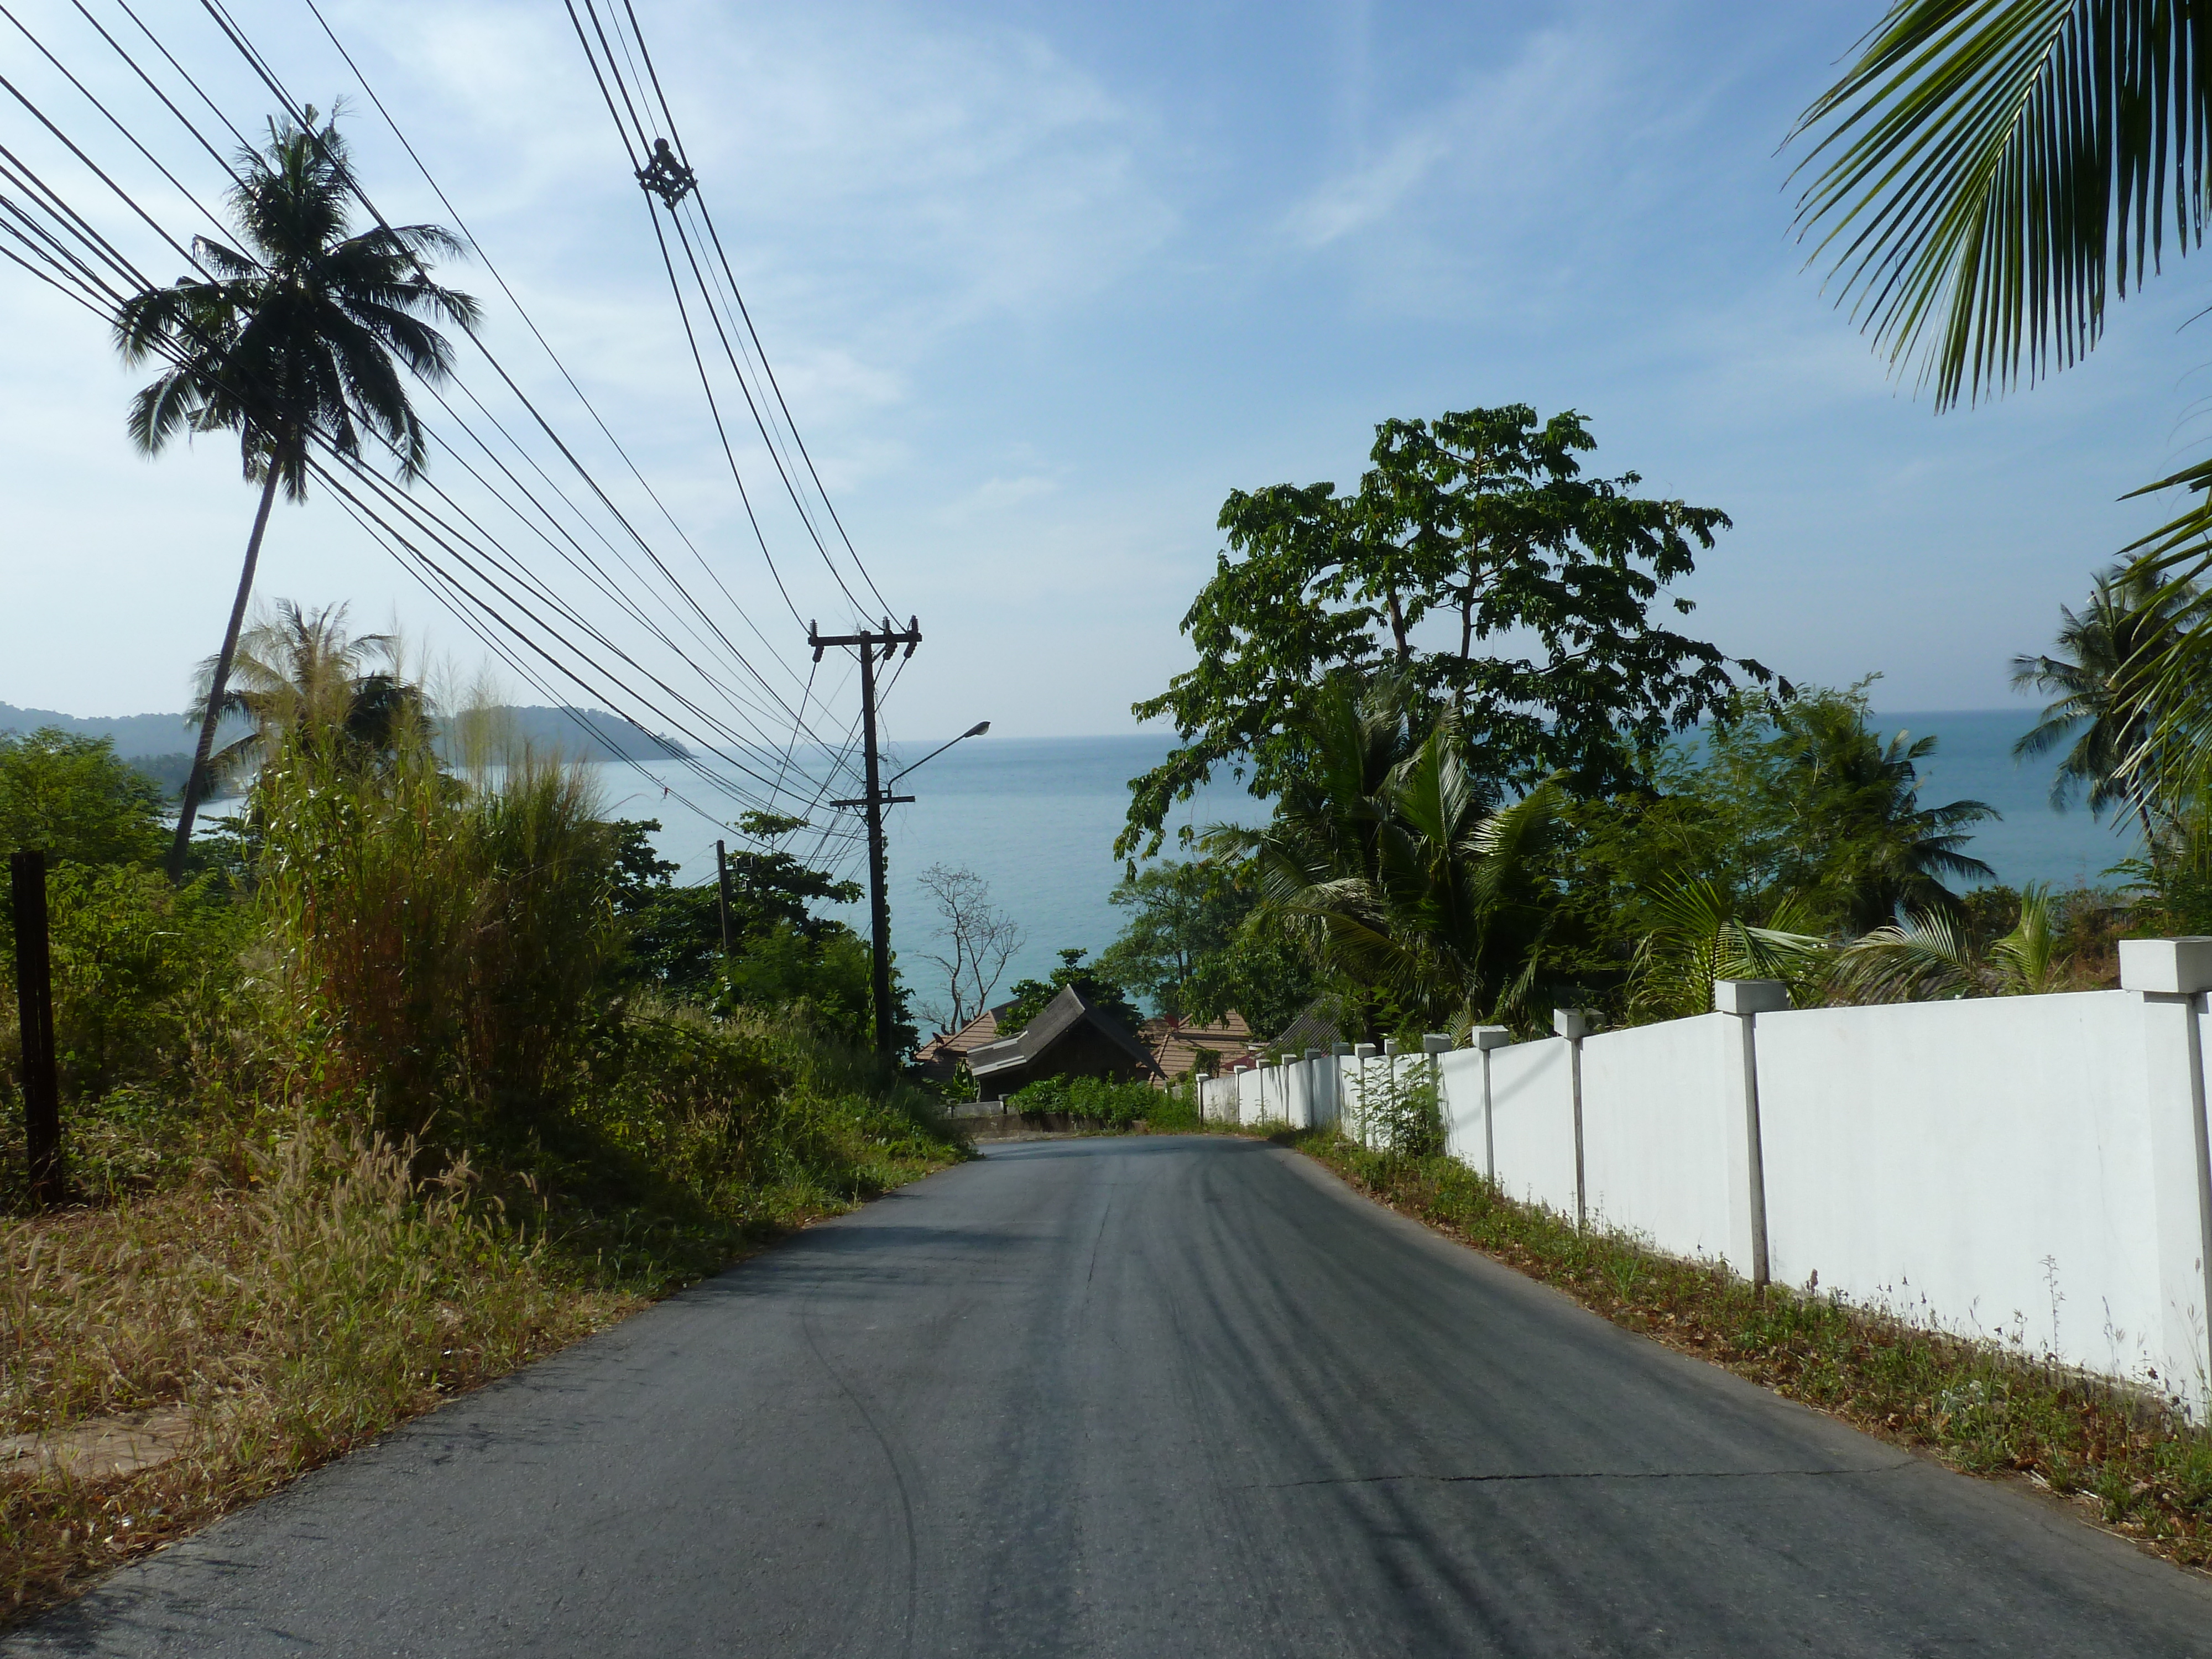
column 1037, row 817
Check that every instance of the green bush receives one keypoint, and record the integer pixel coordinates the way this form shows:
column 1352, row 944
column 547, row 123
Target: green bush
column 70, row 797
column 1118, row 1105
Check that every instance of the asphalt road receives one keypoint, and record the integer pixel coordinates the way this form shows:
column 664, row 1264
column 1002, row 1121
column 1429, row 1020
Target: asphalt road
column 1142, row 1397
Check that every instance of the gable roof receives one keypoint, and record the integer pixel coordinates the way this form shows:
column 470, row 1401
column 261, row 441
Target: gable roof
column 1060, row 1016
column 947, row 1049
column 1174, row 1045
column 1320, row 1024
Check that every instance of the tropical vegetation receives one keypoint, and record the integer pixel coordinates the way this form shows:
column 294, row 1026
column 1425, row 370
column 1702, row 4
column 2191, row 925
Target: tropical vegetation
column 1464, row 831
column 412, row 1077
column 297, row 340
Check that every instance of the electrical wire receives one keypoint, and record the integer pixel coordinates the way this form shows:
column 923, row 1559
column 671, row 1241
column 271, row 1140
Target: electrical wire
column 78, row 280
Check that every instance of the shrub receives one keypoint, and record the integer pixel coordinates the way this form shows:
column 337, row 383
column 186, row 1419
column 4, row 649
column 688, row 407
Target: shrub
column 439, row 941
column 1097, row 1100
column 71, row 798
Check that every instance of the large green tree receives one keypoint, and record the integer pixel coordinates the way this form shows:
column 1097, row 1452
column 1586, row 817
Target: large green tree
column 72, row 799
column 1477, row 563
column 1197, row 945
column 300, row 336
column 1179, row 912
column 674, row 933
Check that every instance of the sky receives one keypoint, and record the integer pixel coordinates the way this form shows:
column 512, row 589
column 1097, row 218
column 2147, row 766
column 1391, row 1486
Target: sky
column 1042, row 283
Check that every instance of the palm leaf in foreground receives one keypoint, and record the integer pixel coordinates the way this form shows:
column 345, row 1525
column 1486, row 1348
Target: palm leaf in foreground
column 1994, row 168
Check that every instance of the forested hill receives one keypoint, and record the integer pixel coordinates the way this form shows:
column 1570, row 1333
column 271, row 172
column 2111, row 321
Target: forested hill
column 581, row 734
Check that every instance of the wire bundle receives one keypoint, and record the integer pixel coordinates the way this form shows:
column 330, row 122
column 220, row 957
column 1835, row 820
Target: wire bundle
column 546, row 570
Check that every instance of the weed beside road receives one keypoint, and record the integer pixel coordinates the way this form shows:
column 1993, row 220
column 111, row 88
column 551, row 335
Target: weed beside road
column 2137, row 1465
column 280, row 1293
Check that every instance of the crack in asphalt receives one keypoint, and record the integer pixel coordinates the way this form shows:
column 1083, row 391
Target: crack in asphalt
column 1577, row 1474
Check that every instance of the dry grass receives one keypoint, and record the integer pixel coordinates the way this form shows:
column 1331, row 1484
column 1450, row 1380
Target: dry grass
column 2137, row 1467
column 293, row 1317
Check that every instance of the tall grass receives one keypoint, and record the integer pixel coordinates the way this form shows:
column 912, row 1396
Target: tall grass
column 436, row 941
column 391, row 1128
column 289, row 1318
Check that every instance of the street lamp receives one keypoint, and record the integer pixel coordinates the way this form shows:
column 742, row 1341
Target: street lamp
column 878, row 797
column 975, row 731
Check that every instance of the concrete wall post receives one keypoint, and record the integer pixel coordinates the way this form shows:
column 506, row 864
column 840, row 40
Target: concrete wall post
column 1362, row 1053
column 1576, row 1025
column 2171, row 976
column 1486, row 1038
column 1744, row 1001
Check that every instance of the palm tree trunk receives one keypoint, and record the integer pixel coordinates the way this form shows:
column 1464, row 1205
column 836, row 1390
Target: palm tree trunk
column 195, row 782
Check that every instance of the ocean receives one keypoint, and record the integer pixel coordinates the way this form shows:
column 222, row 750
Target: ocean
column 1036, row 817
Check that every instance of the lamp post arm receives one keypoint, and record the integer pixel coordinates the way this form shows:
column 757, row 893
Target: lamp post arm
column 975, row 731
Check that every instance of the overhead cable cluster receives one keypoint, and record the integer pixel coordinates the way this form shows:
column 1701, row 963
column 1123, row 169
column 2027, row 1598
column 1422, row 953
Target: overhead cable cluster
column 511, row 530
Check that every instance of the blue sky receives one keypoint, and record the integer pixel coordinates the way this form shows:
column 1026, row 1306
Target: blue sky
column 1044, row 282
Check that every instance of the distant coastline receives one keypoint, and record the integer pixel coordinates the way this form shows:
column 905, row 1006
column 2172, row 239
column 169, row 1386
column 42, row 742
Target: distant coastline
column 161, row 743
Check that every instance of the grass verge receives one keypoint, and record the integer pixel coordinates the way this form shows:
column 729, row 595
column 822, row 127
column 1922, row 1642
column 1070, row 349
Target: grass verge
column 2137, row 1467
column 295, row 1300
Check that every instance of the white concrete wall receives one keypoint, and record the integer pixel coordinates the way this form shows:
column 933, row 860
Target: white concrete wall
column 1461, row 1101
column 1533, row 1122
column 1218, row 1099
column 1327, row 1091
column 1657, row 1116
column 1983, row 1166
column 2026, row 1169
column 1297, row 1094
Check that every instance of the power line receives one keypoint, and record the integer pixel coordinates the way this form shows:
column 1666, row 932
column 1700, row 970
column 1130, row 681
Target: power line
column 699, row 201
column 84, row 277
column 611, row 83
column 81, row 283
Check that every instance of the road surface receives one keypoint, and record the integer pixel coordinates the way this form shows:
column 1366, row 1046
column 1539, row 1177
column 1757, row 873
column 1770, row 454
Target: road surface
column 1139, row 1396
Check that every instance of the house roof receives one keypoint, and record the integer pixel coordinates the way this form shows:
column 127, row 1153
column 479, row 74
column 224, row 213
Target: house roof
column 1174, row 1045
column 1320, row 1024
column 947, row 1049
column 1060, row 1016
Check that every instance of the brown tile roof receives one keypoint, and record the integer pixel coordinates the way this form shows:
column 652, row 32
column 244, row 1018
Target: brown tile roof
column 944, row 1052
column 1174, row 1045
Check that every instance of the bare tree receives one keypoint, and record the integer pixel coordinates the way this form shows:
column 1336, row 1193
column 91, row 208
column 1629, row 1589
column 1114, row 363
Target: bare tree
column 979, row 939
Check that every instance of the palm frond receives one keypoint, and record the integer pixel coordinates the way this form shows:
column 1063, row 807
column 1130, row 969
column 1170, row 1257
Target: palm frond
column 1926, row 956
column 1995, row 169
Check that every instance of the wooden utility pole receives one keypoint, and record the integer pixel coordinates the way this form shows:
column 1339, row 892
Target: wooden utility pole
column 869, row 642
column 722, row 876
column 35, row 1003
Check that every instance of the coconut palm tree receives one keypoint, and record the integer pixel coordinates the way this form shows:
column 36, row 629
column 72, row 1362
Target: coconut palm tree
column 1860, row 846
column 1993, row 170
column 299, row 672
column 1993, row 173
column 2100, row 700
column 298, row 338
column 1700, row 934
column 1407, row 875
column 1929, row 957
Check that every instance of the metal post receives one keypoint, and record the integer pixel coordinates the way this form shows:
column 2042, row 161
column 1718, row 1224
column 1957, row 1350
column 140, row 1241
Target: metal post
column 722, row 876
column 35, row 1003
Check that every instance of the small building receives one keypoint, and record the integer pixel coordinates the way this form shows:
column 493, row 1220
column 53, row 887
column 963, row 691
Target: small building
column 1177, row 1046
column 941, row 1057
column 1072, row 1037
